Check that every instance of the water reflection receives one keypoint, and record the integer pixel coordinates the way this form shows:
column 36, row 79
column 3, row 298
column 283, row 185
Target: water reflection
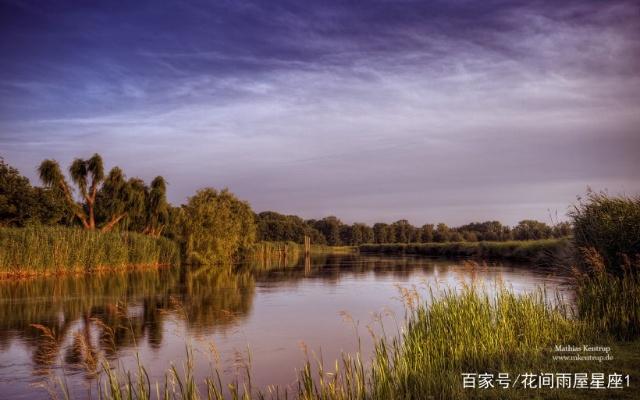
column 76, row 321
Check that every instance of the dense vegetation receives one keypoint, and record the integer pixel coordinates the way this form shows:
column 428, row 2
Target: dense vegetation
column 214, row 226
column 35, row 250
column 548, row 252
column 330, row 230
column 609, row 226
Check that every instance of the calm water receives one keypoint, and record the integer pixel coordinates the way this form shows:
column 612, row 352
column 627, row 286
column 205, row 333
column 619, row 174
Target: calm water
column 221, row 314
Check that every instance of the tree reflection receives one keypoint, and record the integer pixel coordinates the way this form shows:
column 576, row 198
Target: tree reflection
column 76, row 318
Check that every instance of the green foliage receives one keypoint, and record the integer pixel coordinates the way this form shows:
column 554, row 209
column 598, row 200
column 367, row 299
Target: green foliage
column 330, row 228
column 356, row 234
column 38, row 250
column 157, row 207
column 609, row 225
column 487, row 231
column 532, row 230
column 442, row 233
column 275, row 227
column 21, row 204
column 215, row 227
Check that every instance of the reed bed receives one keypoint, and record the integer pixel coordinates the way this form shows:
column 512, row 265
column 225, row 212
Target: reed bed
column 52, row 250
column 607, row 300
column 546, row 251
column 274, row 255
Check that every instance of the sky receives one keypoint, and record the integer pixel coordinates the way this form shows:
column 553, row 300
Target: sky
column 433, row 111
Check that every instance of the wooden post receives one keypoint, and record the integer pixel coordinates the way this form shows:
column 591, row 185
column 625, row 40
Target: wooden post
column 307, row 246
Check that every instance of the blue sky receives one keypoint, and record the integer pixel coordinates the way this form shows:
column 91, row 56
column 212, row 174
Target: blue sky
column 372, row 111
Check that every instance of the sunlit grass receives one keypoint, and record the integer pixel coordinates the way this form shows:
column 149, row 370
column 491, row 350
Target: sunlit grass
column 42, row 250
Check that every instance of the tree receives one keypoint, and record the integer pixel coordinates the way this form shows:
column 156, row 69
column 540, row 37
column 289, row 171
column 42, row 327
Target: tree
column 80, row 171
column 562, row 229
column 22, row 204
column 216, row 227
column 359, row 233
column 16, row 197
column 442, row 233
column 157, row 207
column 118, row 198
column 427, row 233
column 330, row 228
column 455, row 236
column 380, row 232
column 403, row 231
column 529, row 229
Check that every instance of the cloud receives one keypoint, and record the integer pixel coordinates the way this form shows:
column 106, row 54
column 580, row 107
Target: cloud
column 438, row 112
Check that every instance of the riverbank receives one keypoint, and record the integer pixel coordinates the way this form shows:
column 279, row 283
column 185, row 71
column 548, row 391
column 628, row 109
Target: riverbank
column 275, row 255
column 549, row 252
column 58, row 250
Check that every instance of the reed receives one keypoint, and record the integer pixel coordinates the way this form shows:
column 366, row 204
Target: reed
column 608, row 301
column 51, row 250
column 457, row 333
column 547, row 251
column 274, row 255
column 609, row 225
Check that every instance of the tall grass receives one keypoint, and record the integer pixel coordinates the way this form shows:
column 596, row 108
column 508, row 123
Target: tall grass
column 607, row 243
column 610, row 302
column 42, row 250
column 610, row 226
column 458, row 333
column 270, row 255
column 278, row 255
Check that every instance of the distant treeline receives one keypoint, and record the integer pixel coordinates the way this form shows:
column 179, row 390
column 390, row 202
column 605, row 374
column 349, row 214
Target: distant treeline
column 273, row 226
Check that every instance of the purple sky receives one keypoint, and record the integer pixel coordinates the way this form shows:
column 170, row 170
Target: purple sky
column 372, row 111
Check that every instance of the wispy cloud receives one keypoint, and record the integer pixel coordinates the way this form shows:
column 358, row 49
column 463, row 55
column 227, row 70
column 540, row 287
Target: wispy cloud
column 436, row 112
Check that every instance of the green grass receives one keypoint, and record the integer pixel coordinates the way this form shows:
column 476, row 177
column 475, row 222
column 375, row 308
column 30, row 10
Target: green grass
column 547, row 251
column 46, row 250
column 608, row 301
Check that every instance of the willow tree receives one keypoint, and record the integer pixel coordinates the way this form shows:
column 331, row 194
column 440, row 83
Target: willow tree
column 216, row 227
column 115, row 199
column 87, row 175
column 157, row 207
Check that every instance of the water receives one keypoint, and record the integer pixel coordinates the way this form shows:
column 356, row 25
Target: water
column 222, row 315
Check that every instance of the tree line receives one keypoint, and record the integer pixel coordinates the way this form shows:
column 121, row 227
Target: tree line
column 273, row 226
column 212, row 224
